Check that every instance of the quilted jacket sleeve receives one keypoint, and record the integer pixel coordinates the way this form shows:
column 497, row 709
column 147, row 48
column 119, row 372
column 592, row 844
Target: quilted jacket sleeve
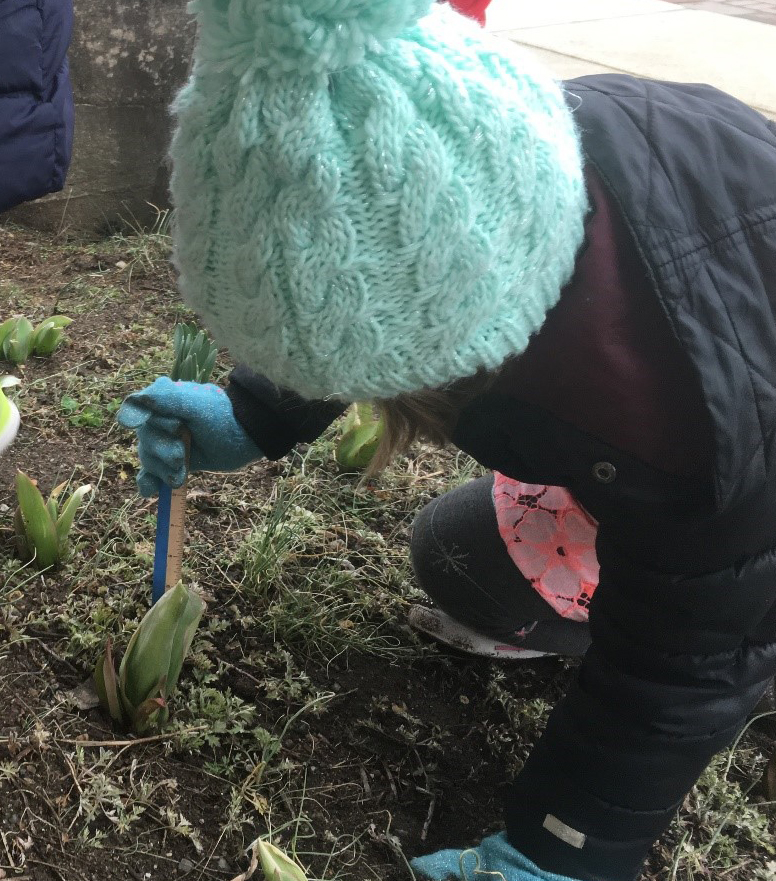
column 677, row 664
column 275, row 419
column 36, row 101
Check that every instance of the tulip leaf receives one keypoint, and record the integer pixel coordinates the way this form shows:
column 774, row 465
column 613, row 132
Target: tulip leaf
column 276, row 865
column 52, row 503
column 195, row 354
column 157, row 648
column 48, row 334
column 151, row 715
column 6, row 329
column 17, row 345
column 184, row 634
column 19, row 339
column 53, row 508
column 46, row 339
column 58, row 490
column 106, row 684
column 23, row 548
column 147, row 657
column 151, row 665
column 177, row 338
column 64, row 522
column 39, row 529
column 360, row 438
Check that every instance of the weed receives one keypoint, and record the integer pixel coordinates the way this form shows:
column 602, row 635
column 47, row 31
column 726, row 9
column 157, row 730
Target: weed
column 9, row 771
column 526, row 715
column 145, row 249
column 225, row 717
column 719, row 824
column 102, row 795
column 177, row 824
column 86, row 293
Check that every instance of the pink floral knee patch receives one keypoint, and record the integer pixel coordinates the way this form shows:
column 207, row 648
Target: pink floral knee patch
column 551, row 540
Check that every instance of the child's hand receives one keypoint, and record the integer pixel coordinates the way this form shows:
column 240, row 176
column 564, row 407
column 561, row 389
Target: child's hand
column 494, row 858
column 160, row 412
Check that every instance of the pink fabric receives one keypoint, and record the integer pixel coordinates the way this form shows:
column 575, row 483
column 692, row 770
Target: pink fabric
column 551, row 540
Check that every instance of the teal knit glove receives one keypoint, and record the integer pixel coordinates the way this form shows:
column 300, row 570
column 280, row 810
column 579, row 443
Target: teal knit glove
column 494, row 858
column 160, row 412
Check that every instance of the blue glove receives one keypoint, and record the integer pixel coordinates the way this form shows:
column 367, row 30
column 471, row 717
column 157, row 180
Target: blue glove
column 161, row 411
column 495, row 858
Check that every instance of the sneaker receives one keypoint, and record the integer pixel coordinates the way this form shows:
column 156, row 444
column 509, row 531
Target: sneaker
column 441, row 627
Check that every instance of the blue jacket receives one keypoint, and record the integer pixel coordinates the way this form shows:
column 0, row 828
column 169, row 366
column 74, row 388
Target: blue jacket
column 36, row 101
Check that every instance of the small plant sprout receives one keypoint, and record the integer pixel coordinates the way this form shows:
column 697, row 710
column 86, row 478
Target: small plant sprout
column 48, row 335
column 152, row 663
column 360, row 437
column 16, row 339
column 19, row 339
column 9, row 415
column 43, row 528
column 276, row 865
column 195, row 354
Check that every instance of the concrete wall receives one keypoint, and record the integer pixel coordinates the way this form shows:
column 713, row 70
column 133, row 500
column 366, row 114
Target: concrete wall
column 128, row 59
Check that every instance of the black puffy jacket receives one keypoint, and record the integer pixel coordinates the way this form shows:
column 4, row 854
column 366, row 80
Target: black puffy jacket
column 684, row 617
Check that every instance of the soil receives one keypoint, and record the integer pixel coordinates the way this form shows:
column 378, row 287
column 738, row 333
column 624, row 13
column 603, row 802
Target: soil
column 411, row 752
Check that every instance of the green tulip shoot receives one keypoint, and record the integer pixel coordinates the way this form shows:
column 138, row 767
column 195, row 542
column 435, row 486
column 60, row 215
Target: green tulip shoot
column 138, row 696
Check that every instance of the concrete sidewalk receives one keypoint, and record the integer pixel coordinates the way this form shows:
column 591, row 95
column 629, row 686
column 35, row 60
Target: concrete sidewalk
column 647, row 38
column 757, row 10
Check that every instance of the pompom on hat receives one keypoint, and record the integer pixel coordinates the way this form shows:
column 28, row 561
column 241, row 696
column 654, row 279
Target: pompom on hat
column 372, row 196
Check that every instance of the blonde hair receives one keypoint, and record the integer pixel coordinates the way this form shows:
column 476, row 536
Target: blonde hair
column 429, row 414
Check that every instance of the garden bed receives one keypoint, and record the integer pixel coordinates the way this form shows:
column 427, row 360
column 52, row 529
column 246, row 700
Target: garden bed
column 307, row 710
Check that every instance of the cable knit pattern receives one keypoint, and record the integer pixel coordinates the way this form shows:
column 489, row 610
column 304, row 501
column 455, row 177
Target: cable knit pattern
column 306, row 36
column 368, row 203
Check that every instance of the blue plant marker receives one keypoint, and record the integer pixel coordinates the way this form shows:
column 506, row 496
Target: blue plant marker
column 162, row 542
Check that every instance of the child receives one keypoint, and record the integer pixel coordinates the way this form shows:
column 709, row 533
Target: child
column 36, row 121
column 576, row 286
column 36, row 102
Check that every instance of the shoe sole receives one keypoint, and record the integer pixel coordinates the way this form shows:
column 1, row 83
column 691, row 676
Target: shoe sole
column 441, row 627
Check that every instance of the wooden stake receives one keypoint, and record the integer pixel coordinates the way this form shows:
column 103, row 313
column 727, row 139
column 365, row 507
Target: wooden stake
column 170, row 535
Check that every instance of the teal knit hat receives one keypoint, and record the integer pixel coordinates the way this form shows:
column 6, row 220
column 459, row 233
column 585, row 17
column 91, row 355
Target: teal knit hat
column 372, row 196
